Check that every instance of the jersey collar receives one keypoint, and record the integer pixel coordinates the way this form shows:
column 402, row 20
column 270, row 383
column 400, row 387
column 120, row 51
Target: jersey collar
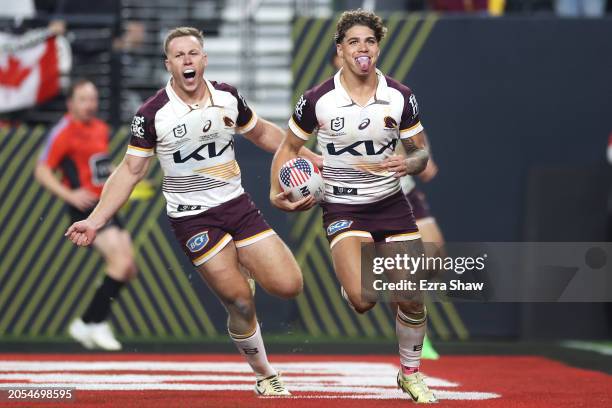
column 343, row 99
column 180, row 107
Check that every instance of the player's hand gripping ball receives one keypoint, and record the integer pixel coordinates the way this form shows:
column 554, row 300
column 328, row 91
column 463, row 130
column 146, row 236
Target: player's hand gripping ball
column 301, row 178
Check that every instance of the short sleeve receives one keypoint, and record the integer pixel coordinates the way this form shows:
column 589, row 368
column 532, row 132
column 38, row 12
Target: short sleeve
column 143, row 135
column 56, row 147
column 410, row 123
column 246, row 117
column 304, row 119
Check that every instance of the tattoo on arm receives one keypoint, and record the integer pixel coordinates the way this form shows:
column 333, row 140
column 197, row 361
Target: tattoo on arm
column 416, row 157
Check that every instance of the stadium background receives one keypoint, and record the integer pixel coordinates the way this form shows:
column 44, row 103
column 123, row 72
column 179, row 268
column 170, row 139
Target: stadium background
column 518, row 113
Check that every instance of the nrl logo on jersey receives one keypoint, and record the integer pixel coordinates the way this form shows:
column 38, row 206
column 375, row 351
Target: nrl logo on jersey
column 137, row 126
column 338, row 226
column 180, row 131
column 337, row 124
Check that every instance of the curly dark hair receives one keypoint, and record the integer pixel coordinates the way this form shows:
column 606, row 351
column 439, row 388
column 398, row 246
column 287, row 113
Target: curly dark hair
column 362, row 17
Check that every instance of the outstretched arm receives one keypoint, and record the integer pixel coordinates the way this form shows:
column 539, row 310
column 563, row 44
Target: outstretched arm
column 116, row 192
column 269, row 136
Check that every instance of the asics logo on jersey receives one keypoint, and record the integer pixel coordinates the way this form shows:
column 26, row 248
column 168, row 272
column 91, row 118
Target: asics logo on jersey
column 207, row 150
column 197, row 242
column 370, row 149
column 364, row 124
column 207, row 126
column 338, row 226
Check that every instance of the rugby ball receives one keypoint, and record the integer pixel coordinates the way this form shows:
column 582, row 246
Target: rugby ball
column 301, row 178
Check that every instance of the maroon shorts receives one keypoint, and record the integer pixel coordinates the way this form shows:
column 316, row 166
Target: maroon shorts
column 390, row 219
column 203, row 235
column 419, row 205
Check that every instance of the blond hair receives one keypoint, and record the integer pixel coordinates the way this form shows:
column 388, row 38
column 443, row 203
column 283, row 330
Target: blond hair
column 183, row 32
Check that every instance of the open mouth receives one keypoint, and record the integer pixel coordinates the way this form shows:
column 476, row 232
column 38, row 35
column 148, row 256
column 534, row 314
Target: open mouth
column 189, row 73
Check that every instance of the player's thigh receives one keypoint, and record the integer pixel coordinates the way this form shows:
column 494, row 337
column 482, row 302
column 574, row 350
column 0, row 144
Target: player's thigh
column 273, row 266
column 222, row 275
column 430, row 231
column 346, row 256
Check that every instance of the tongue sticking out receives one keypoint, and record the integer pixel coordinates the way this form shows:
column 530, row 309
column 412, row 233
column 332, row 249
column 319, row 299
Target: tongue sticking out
column 364, row 63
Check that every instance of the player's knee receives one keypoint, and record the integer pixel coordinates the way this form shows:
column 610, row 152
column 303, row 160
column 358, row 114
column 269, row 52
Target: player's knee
column 291, row 285
column 412, row 308
column 289, row 290
column 357, row 304
column 122, row 266
column 128, row 253
column 362, row 307
column 242, row 306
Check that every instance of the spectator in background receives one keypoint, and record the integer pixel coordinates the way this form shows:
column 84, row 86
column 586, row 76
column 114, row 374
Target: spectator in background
column 580, row 8
column 492, row 7
column 78, row 147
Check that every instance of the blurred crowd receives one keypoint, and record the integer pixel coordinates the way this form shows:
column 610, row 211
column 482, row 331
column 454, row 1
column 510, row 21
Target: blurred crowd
column 562, row 8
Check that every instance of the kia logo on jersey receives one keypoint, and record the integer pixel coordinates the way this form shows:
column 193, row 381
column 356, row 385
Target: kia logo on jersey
column 207, row 126
column 228, row 121
column 180, row 131
column 364, row 124
column 337, row 124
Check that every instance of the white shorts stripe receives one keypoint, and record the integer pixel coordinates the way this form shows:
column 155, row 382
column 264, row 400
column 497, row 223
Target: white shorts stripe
column 339, row 237
column 214, row 251
column 257, row 237
column 410, row 236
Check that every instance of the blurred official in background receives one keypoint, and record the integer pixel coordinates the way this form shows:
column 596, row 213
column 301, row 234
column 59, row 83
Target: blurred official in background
column 77, row 146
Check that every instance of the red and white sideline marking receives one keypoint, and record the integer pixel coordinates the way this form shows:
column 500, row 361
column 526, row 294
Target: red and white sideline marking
column 312, row 379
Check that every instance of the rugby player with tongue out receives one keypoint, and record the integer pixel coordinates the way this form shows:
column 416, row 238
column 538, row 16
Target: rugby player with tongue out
column 358, row 117
column 359, row 52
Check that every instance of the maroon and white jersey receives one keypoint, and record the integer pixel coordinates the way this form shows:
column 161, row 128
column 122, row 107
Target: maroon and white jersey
column 195, row 146
column 355, row 139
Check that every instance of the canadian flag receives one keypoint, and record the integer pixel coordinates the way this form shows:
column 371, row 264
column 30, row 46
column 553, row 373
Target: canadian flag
column 29, row 69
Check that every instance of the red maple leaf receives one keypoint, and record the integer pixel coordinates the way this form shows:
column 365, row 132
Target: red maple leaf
column 14, row 74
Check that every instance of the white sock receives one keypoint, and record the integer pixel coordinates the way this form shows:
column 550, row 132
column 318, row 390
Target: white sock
column 251, row 346
column 410, row 334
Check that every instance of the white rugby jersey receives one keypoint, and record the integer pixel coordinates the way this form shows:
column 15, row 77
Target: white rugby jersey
column 355, row 139
column 195, row 146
